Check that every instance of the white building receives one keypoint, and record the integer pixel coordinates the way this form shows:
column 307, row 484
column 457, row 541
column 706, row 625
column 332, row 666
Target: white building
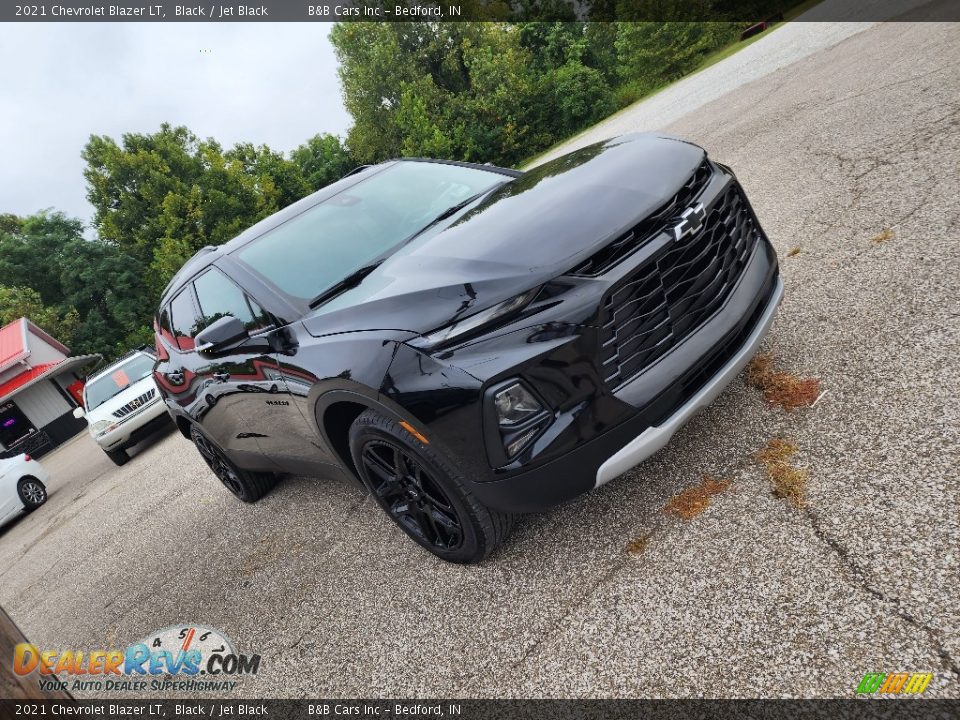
column 40, row 385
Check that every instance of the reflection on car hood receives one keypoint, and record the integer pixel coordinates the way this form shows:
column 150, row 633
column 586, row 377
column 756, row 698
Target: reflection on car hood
column 526, row 232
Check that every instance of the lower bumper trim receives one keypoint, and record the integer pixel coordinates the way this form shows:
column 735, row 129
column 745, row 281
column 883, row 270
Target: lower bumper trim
column 652, row 439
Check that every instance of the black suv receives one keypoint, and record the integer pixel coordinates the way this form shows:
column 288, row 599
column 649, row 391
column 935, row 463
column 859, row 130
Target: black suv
column 470, row 342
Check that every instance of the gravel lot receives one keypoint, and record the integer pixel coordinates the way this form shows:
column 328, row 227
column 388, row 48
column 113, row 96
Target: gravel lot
column 751, row 598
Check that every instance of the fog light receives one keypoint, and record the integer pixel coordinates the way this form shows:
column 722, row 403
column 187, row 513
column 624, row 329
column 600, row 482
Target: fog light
column 515, row 404
column 520, row 442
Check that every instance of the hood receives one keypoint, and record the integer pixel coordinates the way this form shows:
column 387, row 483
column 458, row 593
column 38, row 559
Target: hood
column 527, row 231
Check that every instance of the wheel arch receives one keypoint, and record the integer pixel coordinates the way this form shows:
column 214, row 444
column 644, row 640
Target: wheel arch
column 334, row 413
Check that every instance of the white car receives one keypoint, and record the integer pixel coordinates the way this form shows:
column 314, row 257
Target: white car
column 122, row 405
column 22, row 486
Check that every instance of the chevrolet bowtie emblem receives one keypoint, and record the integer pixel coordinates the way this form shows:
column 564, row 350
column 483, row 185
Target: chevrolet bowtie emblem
column 690, row 222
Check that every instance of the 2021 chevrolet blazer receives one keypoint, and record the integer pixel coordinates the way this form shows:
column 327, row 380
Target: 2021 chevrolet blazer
column 470, row 342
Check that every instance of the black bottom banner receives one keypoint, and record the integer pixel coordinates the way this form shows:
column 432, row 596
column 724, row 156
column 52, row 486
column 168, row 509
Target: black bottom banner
column 483, row 709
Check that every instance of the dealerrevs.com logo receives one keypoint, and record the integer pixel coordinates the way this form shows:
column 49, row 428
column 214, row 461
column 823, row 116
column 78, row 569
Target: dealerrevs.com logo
column 186, row 657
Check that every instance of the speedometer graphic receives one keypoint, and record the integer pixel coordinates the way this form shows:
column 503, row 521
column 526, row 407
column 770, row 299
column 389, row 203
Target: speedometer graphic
column 186, row 637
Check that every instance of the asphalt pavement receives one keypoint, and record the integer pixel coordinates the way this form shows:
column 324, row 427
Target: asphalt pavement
column 849, row 153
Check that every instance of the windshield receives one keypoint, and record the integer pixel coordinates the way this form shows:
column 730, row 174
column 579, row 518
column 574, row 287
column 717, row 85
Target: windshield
column 315, row 250
column 116, row 380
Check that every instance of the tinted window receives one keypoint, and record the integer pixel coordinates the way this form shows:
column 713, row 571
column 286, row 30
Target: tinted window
column 314, row 250
column 183, row 319
column 219, row 296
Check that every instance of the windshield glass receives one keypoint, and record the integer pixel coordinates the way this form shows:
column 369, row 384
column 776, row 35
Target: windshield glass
column 116, row 380
column 316, row 249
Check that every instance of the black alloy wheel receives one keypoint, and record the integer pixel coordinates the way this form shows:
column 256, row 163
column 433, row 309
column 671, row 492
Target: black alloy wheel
column 423, row 492
column 410, row 495
column 245, row 485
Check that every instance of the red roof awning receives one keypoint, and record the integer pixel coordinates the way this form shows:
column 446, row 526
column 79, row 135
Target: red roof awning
column 23, row 378
column 36, row 374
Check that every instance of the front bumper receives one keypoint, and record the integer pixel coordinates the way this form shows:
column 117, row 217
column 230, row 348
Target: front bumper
column 135, row 428
column 662, row 399
column 654, row 438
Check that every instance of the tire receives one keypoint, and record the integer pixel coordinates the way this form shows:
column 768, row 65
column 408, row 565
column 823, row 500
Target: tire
column 245, row 485
column 423, row 493
column 32, row 492
column 119, row 457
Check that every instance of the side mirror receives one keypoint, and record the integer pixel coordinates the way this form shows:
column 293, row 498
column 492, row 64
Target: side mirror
column 78, row 413
column 221, row 334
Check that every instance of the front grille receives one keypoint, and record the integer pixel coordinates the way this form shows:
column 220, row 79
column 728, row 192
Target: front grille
column 134, row 405
column 672, row 399
column 652, row 225
column 667, row 298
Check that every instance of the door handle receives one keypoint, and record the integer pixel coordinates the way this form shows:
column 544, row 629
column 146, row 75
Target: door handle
column 221, row 377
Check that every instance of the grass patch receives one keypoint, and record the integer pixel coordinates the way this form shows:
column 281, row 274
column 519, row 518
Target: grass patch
column 795, row 250
column 637, row 546
column 882, row 236
column 781, row 388
column 694, row 500
column 787, row 482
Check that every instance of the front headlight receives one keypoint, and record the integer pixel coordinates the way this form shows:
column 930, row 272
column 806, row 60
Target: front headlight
column 520, row 417
column 515, row 404
column 478, row 320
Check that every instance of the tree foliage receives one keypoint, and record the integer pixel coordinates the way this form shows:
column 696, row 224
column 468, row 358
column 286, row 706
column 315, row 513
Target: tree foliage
column 322, row 159
column 501, row 92
column 84, row 292
column 159, row 198
column 17, row 302
column 654, row 54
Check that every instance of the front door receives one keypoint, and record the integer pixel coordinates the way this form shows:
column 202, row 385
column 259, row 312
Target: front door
column 243, row 393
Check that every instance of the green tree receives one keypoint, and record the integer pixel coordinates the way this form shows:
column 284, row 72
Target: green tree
column 161, row 197
column 18, row 302
column 651, row 54
column 128, row 183
column 581, row 96
column 48, row 255
column 322, row 159
column 487, row 92
column 372, row 69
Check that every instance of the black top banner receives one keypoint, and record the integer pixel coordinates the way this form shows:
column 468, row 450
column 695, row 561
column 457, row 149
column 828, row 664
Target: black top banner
column 743, row 11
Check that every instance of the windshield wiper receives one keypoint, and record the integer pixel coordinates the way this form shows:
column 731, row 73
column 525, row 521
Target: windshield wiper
column 350, row 281
column 448, row 212
column 454, row 209
column 356, row 277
